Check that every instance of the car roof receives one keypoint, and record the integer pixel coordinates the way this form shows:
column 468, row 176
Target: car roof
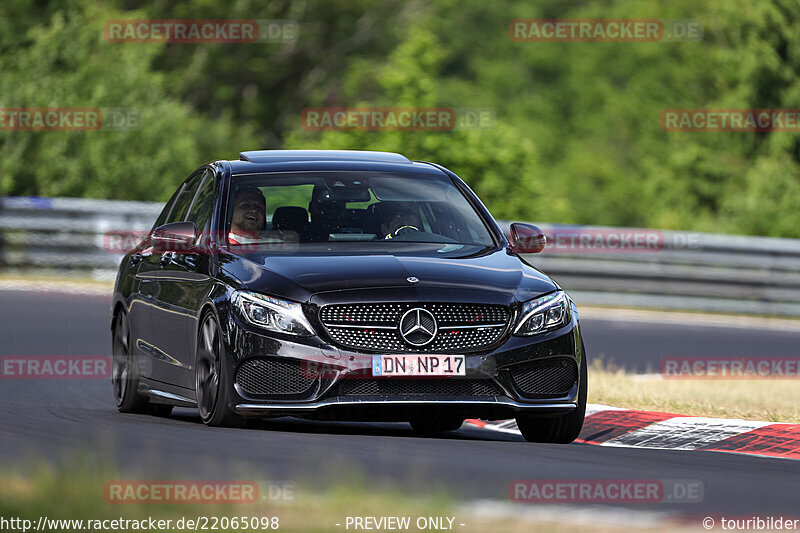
column 257, row 161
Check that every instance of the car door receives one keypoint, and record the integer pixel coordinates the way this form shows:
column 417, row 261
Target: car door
column 168, row 300
column 139, row 306
column 184, row 278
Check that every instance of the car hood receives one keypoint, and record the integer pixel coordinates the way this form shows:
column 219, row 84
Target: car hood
column 496, row 275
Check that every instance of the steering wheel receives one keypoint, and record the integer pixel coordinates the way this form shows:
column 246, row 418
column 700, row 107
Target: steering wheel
column 402, row 230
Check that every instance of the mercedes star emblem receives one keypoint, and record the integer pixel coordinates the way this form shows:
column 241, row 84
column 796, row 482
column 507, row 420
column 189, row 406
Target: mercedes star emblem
column 418, row 326
column 412, row 279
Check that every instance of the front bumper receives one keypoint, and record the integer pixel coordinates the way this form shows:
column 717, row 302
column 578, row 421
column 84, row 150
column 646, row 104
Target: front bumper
column 324, row 397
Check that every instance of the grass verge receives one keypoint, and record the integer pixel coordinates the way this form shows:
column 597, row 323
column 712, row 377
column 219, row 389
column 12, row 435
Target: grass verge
column 41, row 283
column 769, row 400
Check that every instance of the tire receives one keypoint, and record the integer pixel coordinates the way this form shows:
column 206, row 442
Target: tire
column 212, row 382
column 124, row 369
column 436, row 425
column 559, row 429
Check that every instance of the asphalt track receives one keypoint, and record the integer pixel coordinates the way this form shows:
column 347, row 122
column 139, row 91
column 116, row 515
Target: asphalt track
column 75, row 420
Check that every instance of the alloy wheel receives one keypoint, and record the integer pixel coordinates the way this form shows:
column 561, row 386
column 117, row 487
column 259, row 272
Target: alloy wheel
column 208, row 361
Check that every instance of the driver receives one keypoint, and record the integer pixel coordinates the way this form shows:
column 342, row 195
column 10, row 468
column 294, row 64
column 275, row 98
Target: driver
column 400, row 221
column 249, row 216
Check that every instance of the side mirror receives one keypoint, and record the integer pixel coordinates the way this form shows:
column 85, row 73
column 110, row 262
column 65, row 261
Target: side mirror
column 527, row 238
column 175, row 237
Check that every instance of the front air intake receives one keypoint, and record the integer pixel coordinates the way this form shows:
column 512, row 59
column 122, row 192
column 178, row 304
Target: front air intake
column 271, row 376
column 553, row 377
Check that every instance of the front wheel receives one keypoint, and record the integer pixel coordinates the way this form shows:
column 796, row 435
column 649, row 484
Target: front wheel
column 558, row 429
column 212, row 382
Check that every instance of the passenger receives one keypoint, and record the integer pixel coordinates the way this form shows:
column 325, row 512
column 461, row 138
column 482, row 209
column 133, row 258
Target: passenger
column 249, row 216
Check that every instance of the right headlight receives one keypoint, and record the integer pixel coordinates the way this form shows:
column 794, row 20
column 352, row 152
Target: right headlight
column 543, row 314
column 273, row 314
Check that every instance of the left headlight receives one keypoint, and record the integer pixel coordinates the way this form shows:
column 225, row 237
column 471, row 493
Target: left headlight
column 273, row 314
column 543, row 314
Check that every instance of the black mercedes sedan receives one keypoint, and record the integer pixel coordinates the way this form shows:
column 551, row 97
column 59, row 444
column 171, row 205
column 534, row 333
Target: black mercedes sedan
column 343, row 285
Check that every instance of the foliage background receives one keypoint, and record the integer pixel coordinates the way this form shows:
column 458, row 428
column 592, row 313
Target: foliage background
column 577, row 137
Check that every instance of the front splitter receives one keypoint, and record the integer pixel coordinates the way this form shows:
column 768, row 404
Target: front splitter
column 273, row 409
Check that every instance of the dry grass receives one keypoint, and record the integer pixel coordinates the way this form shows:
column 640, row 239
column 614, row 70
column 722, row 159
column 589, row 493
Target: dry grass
column 771, row 400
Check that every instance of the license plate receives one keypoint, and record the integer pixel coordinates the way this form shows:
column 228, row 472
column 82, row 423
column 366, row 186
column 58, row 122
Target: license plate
column 418, row 365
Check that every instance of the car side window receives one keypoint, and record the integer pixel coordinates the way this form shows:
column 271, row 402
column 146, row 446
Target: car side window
column 200, row 211
column 162, row 218
column 184, row 199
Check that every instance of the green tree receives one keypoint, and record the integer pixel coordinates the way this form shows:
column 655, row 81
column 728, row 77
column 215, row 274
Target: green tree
column 67, row 63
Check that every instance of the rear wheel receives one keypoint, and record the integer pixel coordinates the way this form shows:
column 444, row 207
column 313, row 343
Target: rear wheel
column 212, row 383
column 559, row 429
column 124, row 369
column 436, row 425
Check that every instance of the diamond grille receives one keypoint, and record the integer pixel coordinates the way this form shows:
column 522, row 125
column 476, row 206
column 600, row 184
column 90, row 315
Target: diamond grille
column 374, row 327
column 388, row 314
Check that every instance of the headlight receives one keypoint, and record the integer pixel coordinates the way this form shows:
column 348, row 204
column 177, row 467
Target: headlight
column 272, row 314
column 543, row 314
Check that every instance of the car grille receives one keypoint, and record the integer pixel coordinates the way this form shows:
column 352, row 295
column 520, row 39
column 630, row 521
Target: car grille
column 374, row 327
column 548, row 377
column 417, row 387
column 271, row 376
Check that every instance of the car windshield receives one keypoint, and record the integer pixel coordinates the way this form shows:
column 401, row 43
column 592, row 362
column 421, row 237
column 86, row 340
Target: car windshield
column 309, row 208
